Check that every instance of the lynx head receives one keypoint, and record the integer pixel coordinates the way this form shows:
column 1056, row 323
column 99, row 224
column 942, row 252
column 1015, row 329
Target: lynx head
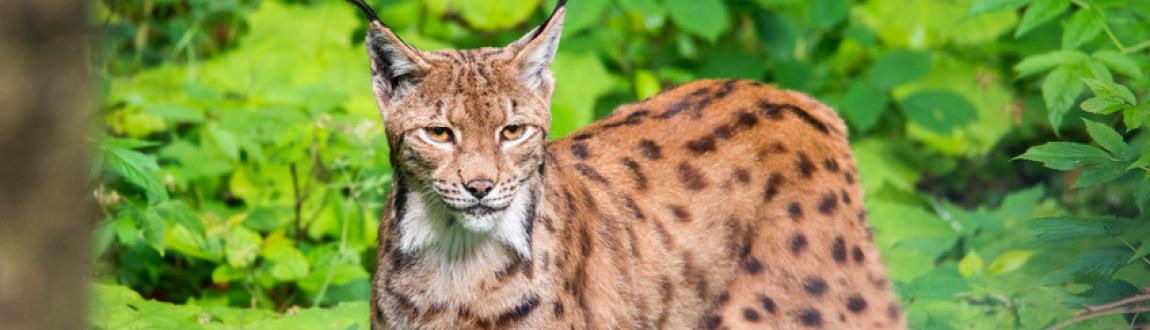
column 466, row 128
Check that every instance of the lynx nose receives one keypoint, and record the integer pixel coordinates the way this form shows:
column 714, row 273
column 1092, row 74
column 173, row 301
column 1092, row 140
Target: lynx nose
column 479, row 188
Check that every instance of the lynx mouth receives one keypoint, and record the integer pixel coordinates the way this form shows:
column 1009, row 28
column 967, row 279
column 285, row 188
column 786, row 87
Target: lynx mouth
column 478, row 210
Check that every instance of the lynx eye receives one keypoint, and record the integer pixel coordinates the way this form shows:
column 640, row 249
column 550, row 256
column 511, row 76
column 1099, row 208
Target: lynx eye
column 513, row 132
column 439, row 134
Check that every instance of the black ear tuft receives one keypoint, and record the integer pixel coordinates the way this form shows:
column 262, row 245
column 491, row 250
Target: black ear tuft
column 370, row 13
column 558, row 5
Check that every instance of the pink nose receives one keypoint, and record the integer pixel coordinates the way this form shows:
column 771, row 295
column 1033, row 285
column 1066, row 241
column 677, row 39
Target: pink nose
column 479, row 188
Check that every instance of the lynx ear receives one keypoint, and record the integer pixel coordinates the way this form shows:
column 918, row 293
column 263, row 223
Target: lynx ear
column 535, row 51
column 395, row 66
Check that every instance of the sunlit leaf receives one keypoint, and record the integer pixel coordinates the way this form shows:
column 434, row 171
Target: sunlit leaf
column 1009, row 262
column 1065, row 156
column 939, row 111
column 1040, row 11
column 704, row 18
column 1060, row 229
column 1083, row 26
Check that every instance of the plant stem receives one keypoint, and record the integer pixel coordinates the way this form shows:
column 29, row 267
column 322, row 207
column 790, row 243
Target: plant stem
column 298, row 202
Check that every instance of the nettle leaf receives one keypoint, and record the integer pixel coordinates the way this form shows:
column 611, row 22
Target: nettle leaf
column 938, row 110
column 1067, row 228
column 1060, row 89
column 1082, row 27
column 1040, row 11
column 705, row 18
column 1091, row 267
column 1042, row 62
column 287, row 262
column 1009, row 262
column 242, row 246
column 899, row 67
column 1109, row 139
column 135, row 167
column 1065, row 156
column 983, row 6
column 1120, row 63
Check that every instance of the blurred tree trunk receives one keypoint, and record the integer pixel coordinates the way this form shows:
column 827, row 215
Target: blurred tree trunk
column 45, row 214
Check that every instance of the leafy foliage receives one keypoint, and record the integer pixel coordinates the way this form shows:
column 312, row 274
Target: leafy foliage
column 1000, row 143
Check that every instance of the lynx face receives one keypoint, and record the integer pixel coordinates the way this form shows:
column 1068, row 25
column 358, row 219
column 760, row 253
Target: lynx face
column 468, row 128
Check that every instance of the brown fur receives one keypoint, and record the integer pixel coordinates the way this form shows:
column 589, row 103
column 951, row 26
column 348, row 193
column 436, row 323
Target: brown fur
column 718, row 204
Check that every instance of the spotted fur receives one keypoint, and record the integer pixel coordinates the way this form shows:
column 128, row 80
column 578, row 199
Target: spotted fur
column 719, row 204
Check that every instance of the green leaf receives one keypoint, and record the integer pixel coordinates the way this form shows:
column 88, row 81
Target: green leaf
column 938, row 110
column 829, row 13
column 899, row 67
column 1091, row 267
column 287, row 262
column 582, row 81
column 1040, row 11
column 1059, row 90
column 1109, row 139
column 1102, row 105
column 1067, row 228
column 1100, row 173
column 1009, row 261
column 1065, row 156
column 1111, row 90
column 942, row 283
column 1120, row 63
column 1143, row 250
column 224, row 141
column 487, row 15
column 704, row 18
column 864, row 104
column 983, row 6
column 646, row 84
column 1082, row 27
column 1134, row 117
column 242, row 246
column 1042, row 62
column 971, row 265
column 581, row 14
column 137, row 168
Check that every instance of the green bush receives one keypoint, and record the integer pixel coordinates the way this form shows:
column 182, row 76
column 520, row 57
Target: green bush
column 242, row 167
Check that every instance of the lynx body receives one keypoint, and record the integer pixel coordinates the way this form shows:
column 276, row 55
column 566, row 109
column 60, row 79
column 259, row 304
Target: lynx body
column 717, row 204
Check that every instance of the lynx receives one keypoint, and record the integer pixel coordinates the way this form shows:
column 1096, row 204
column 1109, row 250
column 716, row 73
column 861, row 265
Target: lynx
column 716, row 204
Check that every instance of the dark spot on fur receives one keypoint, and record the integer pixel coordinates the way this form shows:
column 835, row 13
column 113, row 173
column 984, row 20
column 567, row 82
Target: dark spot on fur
column 815, row 286
column 635, row 210
column 806, row 167
column 722, row 132
column 798, row 243
column 893, row 311
column 518, row 313
column 650, row 150
column 778, row 148
column 849, row 177
column 831, row 165
column 580, row 150
column 856, row 303
column 750, row 314
column 773, row 183
column 701, row 145
column 742, row 176
column 828, row 204
column 691, row 177
column 724, row 297
column 857, row 253
column 771, row 110
column 680, row 213
column 753, row 266
column 636, row 173
column 795, row 211
column 846, row 197
column 590, row 173
column 811, row 317
column 811, row 120
column 839, row 250
column 583, row 137
column 712, row 321
column 768, row 303
column 746, row 120
column 632, row 119
column 559, row 309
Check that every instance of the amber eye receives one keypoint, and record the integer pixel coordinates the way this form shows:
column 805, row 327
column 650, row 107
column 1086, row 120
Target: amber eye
column 513, row 132
column 439, row 134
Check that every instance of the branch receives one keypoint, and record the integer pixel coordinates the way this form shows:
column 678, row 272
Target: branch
column 298, row 202
column 1090, row 312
